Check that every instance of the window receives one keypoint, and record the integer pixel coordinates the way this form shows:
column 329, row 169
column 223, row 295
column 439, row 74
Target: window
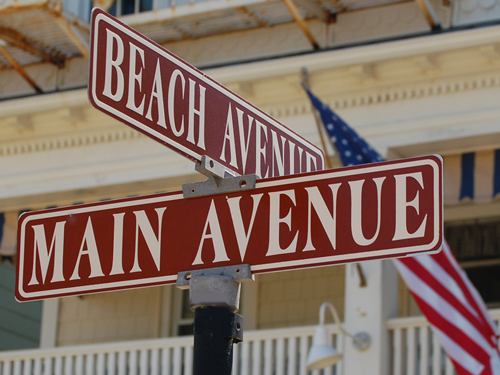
column 476, row 244
column 124, row 7
column 184, row 322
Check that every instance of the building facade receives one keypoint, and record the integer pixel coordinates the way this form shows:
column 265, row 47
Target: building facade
column 412, row 77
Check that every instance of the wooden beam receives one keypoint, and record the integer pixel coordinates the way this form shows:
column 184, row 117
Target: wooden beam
column 65, row 26
column 314, row 8
column 19, row 69
column 18, row 40
column 429, row 14
column 292, row 8
column 252, row 15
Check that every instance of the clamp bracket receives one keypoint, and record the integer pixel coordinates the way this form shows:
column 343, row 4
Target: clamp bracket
column 215, row 286
column 220, row 180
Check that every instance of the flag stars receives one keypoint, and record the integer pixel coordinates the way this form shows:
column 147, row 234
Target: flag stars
column 352, row 149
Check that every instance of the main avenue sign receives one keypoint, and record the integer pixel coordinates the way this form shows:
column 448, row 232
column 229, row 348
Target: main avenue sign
column 148, row 88
column 380, row 210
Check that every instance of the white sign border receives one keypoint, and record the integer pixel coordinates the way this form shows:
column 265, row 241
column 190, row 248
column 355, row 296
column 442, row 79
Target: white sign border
column 198, row 74
column 437, row 189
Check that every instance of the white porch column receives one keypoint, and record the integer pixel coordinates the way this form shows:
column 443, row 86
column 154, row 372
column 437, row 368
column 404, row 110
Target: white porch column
column 366, row 309
column 50, row 315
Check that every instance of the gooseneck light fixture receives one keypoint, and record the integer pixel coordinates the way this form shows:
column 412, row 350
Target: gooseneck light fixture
column 322, row 354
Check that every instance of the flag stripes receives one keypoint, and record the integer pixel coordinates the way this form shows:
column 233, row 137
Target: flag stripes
column 456, row 313
column 443, row 278
column 457, row 354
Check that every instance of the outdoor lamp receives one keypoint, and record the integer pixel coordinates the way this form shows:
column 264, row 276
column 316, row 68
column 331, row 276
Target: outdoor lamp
column 322, row 354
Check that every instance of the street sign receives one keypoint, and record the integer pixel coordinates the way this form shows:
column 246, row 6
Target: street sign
column 140, row 83
column 381, row 210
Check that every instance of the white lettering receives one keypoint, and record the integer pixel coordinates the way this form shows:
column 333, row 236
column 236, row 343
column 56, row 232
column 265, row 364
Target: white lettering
column 292, row 157
column 200, row 112
column 278, row 155
column 157, row 92
column 56, row 247
column 243, row 144
column 356, row 205
column 229, row 137
column 215, row 235
column 117, row 267
column 113, row 64
column 171, row 101
column 274, row 223
column 310, row 163
column 135, row 77
column 401, row 231
column 327, row 220
column 91, row 251
column 260, row 150
column 300, row 159
column 153, row 243
column 241, row 236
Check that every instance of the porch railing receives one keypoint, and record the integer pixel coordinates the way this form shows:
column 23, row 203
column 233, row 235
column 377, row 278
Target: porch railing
column 263, row 352
column 416, row 351
column 413, row 350
column 124, row 7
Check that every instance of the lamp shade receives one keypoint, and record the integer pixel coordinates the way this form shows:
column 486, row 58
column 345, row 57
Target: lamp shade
column 322, row 354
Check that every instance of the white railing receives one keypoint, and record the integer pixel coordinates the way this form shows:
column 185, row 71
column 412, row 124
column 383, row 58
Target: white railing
column 416, row 351
column 137, row 6
column 263, row 352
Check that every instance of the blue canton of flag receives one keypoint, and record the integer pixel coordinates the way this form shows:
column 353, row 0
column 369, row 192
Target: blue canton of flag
column 352, row 149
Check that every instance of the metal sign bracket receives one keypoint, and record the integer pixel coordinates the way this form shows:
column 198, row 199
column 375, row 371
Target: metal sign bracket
column 220, row 180
column 214, row 296
column 215, row 286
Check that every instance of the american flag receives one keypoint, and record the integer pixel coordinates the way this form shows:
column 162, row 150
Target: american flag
column 456, row 313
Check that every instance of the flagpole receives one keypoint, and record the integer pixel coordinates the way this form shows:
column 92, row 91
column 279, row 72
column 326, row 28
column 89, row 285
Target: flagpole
column 305, row 82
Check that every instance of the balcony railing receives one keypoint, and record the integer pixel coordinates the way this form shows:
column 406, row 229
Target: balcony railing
column 264, row 352
column 416, row 351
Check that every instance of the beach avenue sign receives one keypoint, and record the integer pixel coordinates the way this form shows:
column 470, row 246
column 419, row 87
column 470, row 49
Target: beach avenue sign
column 372, row 211
column 138, row 82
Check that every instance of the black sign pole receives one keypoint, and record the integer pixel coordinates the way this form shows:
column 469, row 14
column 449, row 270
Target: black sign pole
column 214, row 295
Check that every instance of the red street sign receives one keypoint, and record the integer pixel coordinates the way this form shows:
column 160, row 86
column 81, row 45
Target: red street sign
column 381, row 210
column 140, row 83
